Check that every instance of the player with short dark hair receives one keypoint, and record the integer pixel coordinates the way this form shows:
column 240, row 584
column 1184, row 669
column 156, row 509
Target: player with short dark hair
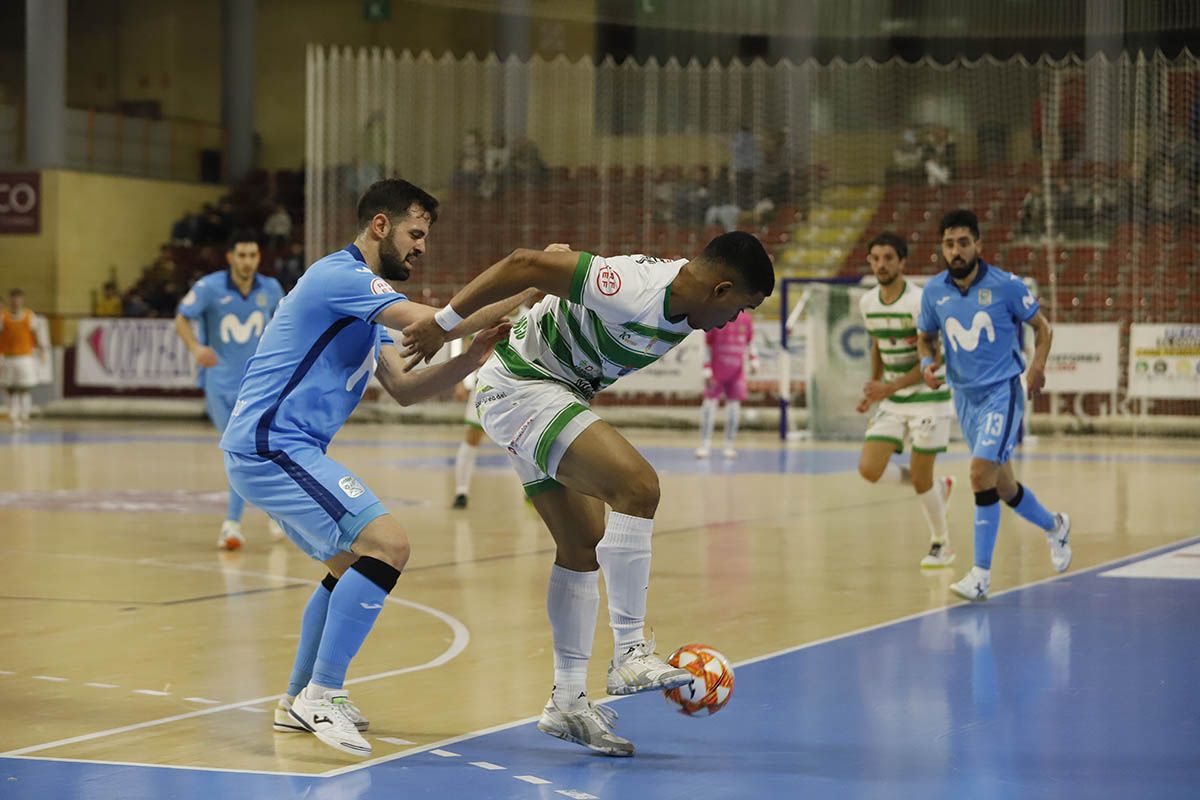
column 979, row 309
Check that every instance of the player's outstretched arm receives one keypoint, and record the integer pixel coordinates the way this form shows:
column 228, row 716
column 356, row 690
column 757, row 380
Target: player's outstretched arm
column 412, row 387
column 205, row 356
column 399, row 316
column 1043, row 335
column 550, row 271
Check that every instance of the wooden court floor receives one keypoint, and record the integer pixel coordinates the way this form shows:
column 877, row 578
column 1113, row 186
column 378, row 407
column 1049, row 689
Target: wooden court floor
column 126, row 637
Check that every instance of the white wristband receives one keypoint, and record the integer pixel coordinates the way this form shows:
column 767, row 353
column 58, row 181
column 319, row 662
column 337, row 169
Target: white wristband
column 447, row 319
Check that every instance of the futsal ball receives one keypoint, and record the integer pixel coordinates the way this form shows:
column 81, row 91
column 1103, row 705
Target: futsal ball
column 712, row 680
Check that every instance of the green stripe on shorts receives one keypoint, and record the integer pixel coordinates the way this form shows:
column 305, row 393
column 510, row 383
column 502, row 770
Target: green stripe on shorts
column 541, row 453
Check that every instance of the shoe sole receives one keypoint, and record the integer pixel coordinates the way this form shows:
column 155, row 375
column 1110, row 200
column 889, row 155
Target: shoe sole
column 622, row 691
column 969, row 597
column 942, row 565
column 283, row 727
column 566, row 737
column 334, row 742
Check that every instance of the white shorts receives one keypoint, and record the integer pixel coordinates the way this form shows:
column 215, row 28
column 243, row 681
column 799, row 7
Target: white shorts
column 928, row 431
column 471, row 413
column 536, row 421
column 20, row 372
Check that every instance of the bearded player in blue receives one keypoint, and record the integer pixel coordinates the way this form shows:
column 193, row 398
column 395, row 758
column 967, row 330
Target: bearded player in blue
column 308, row 375
column 979, row 309
column 233, row 307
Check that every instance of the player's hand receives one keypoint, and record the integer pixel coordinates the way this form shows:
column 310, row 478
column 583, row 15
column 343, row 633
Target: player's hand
column 484, row 341
column 863, row 405
column 558, row 247
column 460, row 393
column 754, row 366
column 422, row 340
column 874, row 391
column 931, row 380
column 1035, row 379
column 206, row 357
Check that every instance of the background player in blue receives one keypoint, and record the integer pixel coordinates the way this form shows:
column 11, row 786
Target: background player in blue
column 233, row 307
column 308, row 374
column 979, row 309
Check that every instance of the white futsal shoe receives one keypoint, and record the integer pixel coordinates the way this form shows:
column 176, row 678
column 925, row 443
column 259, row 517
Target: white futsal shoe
column 1059, row 539
column 589, row 725
column 974, row 585
column 284, row 723
column 940, row 555
column 729, row 453
column 641, row 670
column 326, row 717
column 701, row 453
column 231, row 535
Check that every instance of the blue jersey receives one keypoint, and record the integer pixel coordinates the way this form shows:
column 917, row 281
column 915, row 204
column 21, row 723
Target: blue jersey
column 314, row 361
column 230, row 324
column 980, row 327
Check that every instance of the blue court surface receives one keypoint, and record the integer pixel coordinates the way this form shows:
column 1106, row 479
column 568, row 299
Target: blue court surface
column 1083, row 686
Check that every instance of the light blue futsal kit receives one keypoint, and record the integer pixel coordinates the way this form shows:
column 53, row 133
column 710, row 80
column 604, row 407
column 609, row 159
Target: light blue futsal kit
column 232, row 325
column 309, row 373
column 981, row 329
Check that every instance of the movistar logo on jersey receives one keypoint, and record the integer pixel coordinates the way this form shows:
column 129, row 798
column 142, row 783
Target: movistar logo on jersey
column 968, row 338
column 234, row 330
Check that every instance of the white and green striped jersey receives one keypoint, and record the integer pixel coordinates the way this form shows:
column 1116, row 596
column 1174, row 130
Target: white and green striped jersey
column 613, row 323
column 893, row 327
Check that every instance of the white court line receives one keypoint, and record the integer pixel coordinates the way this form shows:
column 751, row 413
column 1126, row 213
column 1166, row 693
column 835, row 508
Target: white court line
column 102, row 685
column 58, row 760
column 253, row 710
column 51, row 678
column 392, row 740
column 784, row 651
column 575, row 794
column 462, row 638
column 444, row 753
column 486, row 765
column 534, row 779
column 201, row 700
column 151, row 692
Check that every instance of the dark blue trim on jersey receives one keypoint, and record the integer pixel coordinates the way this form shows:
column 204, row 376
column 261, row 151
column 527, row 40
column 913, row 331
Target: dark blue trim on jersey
column 255, row 283
column 353, row 250
column 1014, row 386
column 262, row 432
column 983, row 269
column 309, row 484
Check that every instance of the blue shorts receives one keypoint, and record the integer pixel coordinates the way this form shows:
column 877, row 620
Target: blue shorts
column 218, row 406
column 321, row 505
column 991, row 418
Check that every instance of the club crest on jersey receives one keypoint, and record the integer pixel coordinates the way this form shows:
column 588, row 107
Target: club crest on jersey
column 608, row 281
column 985, row 297
column 351, row 486
column 261, row 300
column 380, row 286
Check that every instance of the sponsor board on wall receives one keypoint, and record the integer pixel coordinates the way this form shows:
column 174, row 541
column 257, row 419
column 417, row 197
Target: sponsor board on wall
column 132, row 353
column 1164, row 361
column 1084, row 358
column 20, row 202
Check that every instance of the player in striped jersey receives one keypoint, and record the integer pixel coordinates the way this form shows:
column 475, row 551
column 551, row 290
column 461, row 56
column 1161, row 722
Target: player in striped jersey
column 603, row 318
column 907, row 408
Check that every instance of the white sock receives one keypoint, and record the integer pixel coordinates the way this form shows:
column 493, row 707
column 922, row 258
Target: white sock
column 14, row 407
column 934, row 506
column 464, row 466
column 624, row 555
column 708, row 418
column 733, row 415
column 572, row 600
column 27, row 403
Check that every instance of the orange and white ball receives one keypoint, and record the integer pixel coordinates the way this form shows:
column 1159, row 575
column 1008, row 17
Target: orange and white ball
column 712, row 680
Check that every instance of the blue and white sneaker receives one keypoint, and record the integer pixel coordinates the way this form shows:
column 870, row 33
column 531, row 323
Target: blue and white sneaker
column 974, row 585
column 1059, row 539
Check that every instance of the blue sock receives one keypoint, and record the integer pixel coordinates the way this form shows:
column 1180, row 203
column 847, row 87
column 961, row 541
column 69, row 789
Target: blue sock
column 987, row 525
column 1025, row 504
column 312, row 624
column 236, row 505
column 353, row 606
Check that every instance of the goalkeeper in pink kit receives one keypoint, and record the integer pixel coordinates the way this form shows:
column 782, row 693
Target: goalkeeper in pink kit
column 725, row 376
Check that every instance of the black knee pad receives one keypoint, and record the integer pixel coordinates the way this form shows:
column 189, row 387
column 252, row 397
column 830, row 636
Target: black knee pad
column 329, row 581
column 378, row 572
column 988, row 497
column 1016, row 498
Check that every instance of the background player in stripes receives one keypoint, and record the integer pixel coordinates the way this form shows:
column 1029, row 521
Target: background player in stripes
column 979, row 309
column 603, row 318
column 908, row 410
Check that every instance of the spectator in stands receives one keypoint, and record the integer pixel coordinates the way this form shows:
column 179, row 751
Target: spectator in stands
column 526, row 167
column 469, row 172
column 745, row 160
column 134, row 305
column 936, row 155
column 1170, row 203
column 183, row 232
column 496, row 158
column 1031, row 218
column 776, row 170
column 691, row 198
column 278, row 228
column 907, row 159
column 290, row 266
column 108, row 304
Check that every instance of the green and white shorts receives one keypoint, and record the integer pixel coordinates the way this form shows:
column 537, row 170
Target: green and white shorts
column 927, row 428
column 536, row 421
